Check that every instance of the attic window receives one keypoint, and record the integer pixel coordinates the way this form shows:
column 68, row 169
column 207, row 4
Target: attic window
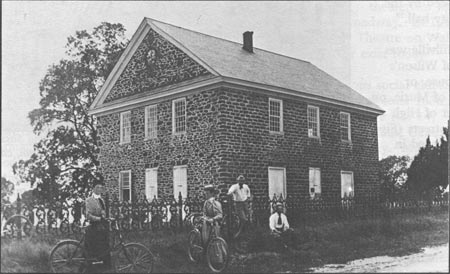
column 151, row 56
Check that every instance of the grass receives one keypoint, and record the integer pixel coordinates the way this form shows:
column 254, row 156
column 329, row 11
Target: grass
column 340, row 242
column 316, row 244
column 24, row 256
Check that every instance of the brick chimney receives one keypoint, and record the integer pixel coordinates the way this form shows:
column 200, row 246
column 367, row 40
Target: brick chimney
column 248, row 41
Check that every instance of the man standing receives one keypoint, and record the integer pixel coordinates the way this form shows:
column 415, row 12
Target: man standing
column 241, row 196
column 97, row 243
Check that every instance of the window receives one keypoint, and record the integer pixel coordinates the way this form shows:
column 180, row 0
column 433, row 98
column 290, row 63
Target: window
column 125, row 185
column 180, row 181
column 179, row 115
column 313, row 122
column 345, row 126
column 151, row 183
column 314, row 182
column 151, row 121
column 277, row 182
column 275, row 115
column 347, row 184
column 125, row 127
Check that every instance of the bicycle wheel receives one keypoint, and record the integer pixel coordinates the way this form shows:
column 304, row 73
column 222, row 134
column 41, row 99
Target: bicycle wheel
column 217, row 254
column 134, row 258
column 195, row 248
column 18, row 227
column 68, row 257
column 235, row 226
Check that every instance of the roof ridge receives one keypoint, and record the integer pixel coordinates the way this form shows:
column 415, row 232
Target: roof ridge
column 272, row 52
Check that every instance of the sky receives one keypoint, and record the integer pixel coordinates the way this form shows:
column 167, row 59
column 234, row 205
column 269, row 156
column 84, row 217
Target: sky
column 394, row 53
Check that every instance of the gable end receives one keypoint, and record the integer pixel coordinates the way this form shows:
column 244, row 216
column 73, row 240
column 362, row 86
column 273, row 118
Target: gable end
column 155, row 63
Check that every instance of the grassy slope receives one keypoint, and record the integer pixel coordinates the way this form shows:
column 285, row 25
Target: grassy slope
column 341, row 242
column 317, row 244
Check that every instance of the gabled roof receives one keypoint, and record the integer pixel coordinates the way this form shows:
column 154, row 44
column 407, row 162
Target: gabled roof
column 229, row 61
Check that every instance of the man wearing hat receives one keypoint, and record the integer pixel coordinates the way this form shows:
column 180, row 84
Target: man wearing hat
column 212, row 212
column 97, row 242
column 241, row 196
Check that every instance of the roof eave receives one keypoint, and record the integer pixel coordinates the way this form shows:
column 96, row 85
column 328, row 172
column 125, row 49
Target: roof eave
column 300, row 94
column 227, row 82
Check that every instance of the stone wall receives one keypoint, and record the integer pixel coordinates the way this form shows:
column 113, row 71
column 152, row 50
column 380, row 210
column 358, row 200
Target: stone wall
column 197, row 148
column 247, row 147
column 156, row 63
column 228, row 134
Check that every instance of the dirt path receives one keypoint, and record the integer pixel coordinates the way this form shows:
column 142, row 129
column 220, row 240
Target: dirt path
column 431, row 259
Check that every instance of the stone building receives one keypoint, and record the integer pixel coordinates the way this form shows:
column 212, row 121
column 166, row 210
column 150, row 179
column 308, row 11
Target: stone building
column 182, row 109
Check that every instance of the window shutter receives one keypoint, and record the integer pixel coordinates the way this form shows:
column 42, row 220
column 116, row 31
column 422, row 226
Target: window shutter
column 151, row 184
column 347, row 184
column 180, row 181
column 317, row 181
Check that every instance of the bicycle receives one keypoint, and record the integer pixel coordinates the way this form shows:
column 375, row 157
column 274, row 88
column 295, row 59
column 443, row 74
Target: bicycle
column 240, row 236
column 18, row 227
column 236, row 226
column 192, row 220
column 216, row 250
column 69, row 256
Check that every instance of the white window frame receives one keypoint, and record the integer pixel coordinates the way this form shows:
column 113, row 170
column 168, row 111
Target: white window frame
column 124, row 140
column 312, row 183
column 352, row 184
column 284, row 182
column 175, row 193
column 148, row 110
column 174, row 113
column 310, row 133
column 348, row 126
column 280, row 117
column 147, row 186
column 129, row 184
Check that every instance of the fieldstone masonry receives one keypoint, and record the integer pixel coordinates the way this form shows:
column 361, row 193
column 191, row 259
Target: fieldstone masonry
column 197, row 148
column 250, row 149
column 156, row 63
column 228, row 134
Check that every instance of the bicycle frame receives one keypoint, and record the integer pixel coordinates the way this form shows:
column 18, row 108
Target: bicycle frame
column 213, row 232
column 115, row 248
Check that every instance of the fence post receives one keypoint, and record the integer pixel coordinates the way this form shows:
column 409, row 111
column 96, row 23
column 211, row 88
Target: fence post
column 19, row 223
column 230, row 218
column 107, row 204
column 180, row 210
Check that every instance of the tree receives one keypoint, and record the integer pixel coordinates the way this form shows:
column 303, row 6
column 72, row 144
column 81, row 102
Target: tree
column 428, row 172
column 7, row 190
column 28, row 198
column 65, row 161
column 393, row 174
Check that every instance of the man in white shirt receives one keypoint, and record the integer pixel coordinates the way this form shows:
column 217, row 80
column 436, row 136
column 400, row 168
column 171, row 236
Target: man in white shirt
column 278, row 222
column 241, row 196
column 280, row 230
